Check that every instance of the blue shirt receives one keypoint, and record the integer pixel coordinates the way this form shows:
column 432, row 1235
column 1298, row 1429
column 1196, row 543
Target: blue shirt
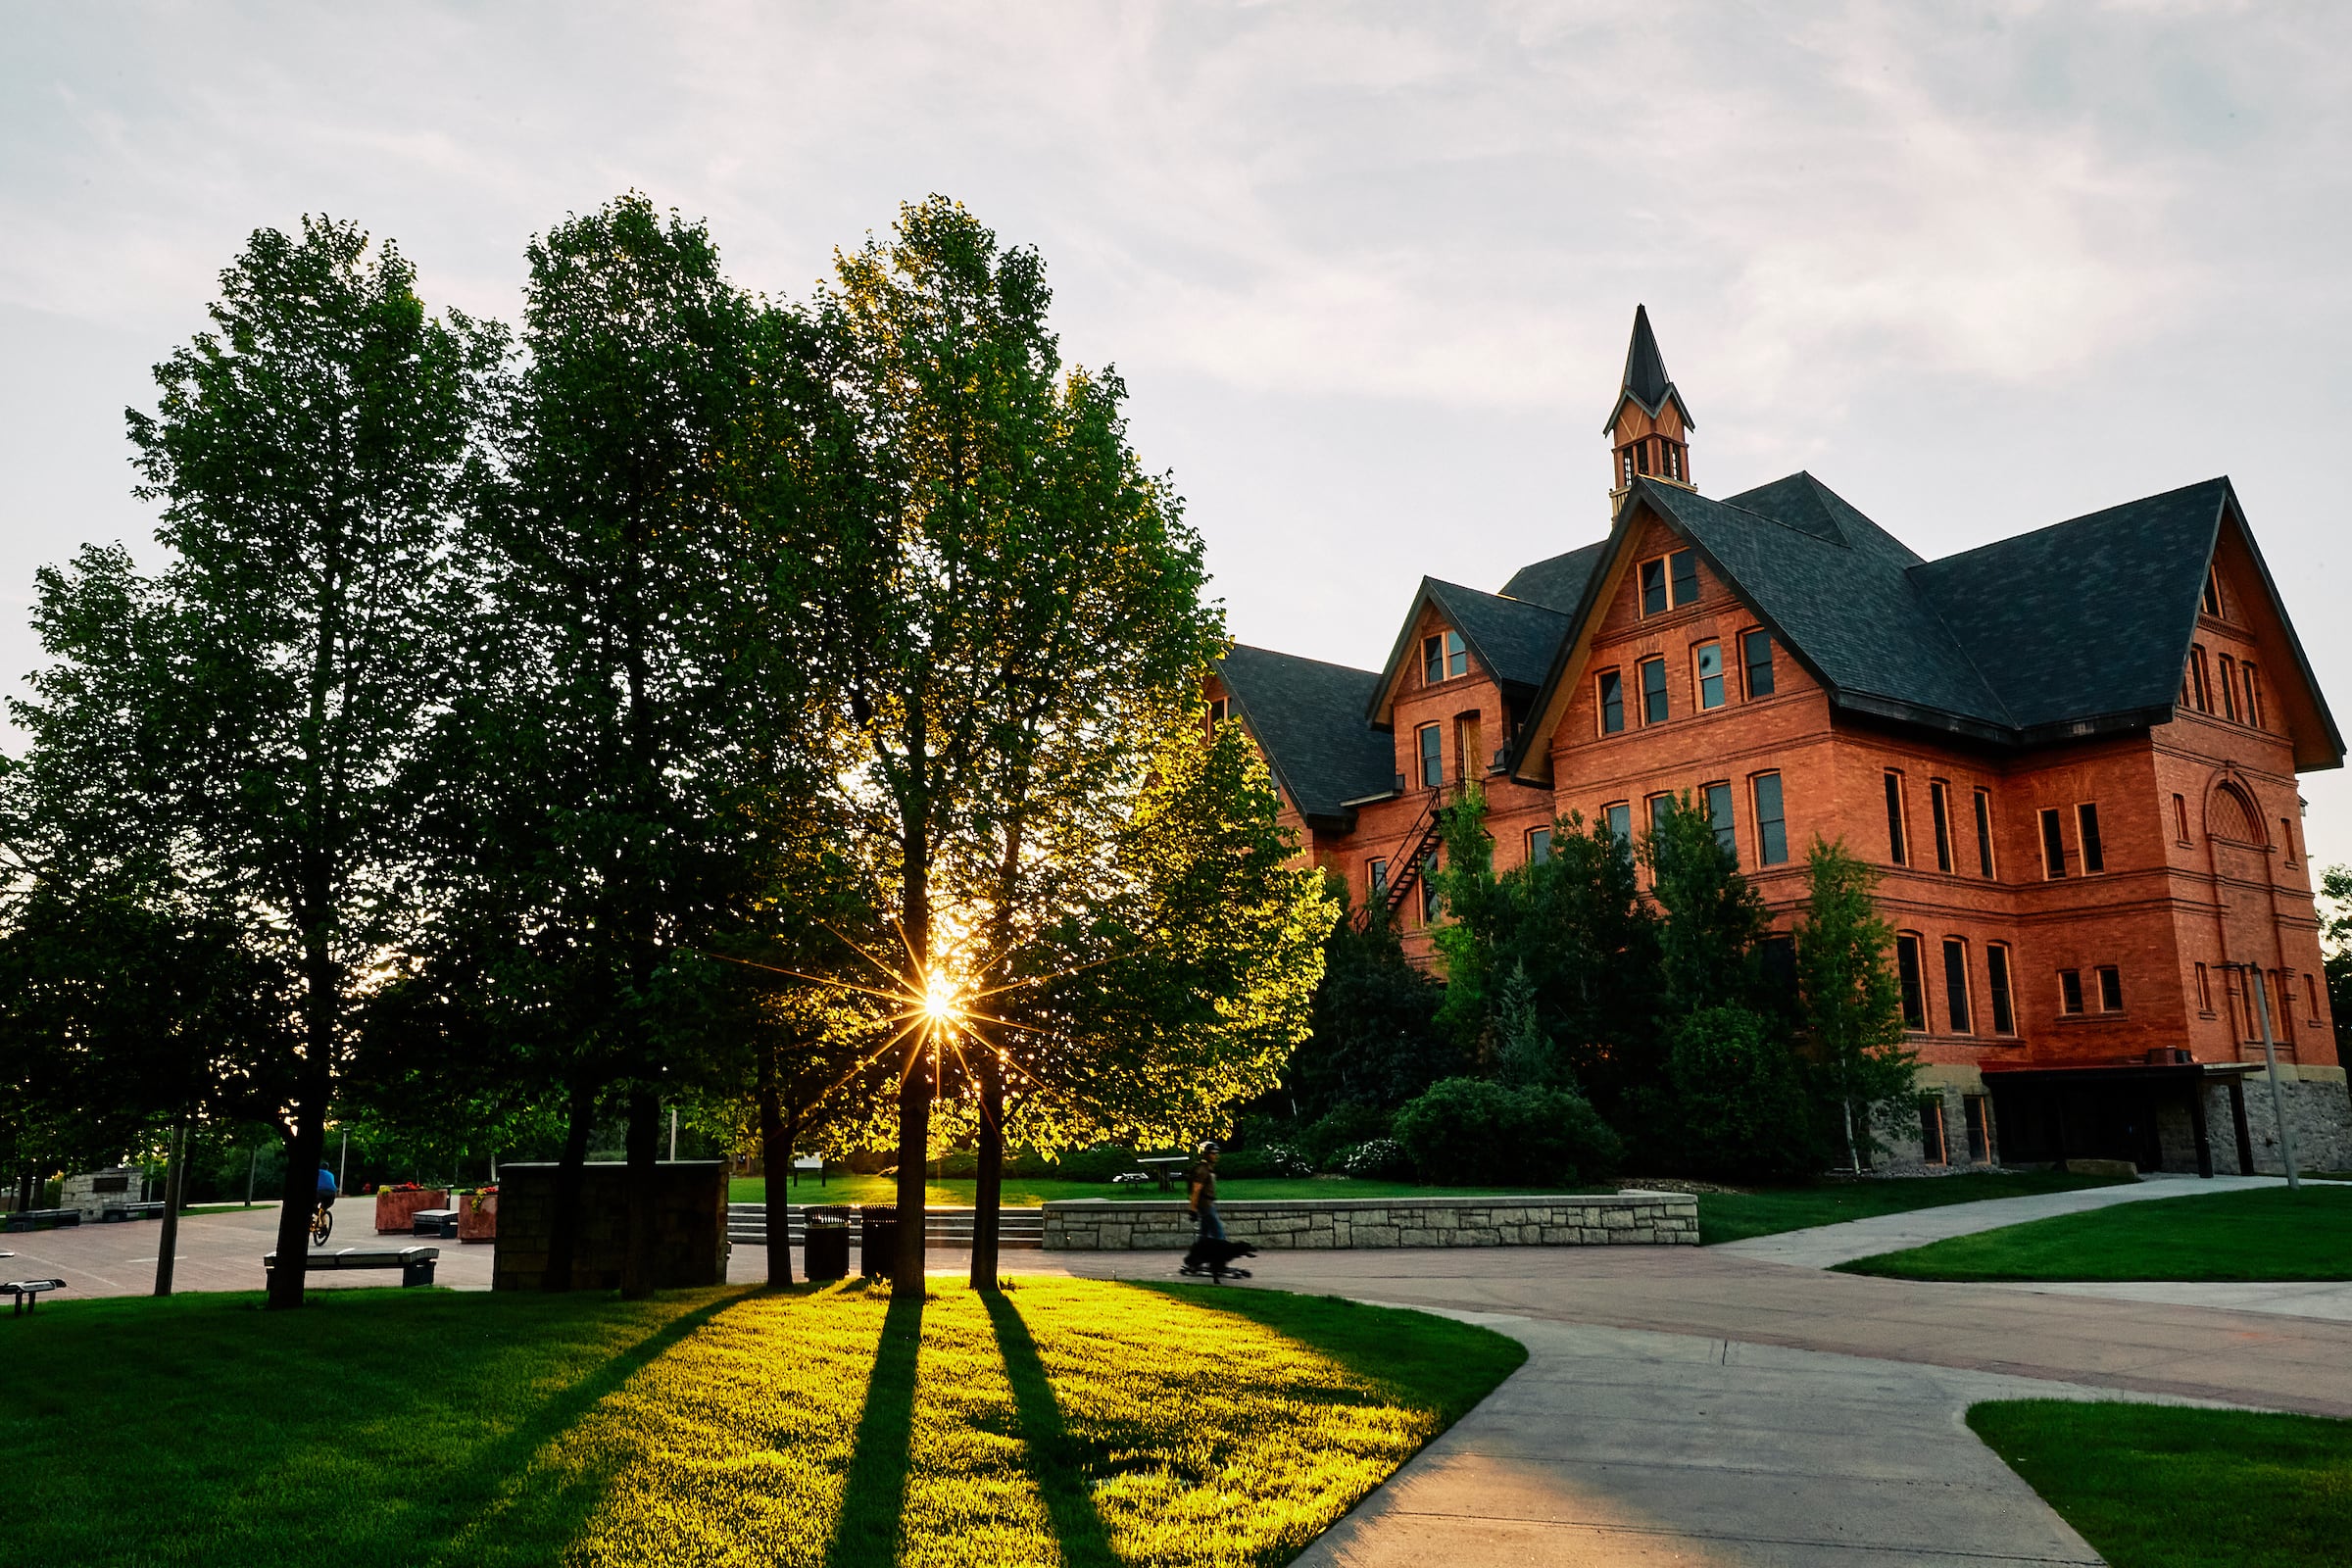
column 326, row 1181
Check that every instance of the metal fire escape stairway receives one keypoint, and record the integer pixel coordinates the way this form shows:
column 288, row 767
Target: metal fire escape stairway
column 1420, row 841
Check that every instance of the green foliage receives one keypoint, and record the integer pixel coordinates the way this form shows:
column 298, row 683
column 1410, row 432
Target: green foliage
column 1851, row 1000
column 1267, row 1161
column 1377, row 1159
column 1374, row 1040
column 1343, row 1126
column 1740, row 1102
column 2335, row 951
column 1713, row 918
column 1470, row 1130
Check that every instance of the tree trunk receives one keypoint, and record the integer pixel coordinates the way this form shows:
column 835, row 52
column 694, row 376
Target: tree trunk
column 915, row 1087
column 176, row 1177
column 775, row 1145
column 642, row 1186
column 25, row 1186
column 987, row 1193
column 572, row 1175
column 298, row 1197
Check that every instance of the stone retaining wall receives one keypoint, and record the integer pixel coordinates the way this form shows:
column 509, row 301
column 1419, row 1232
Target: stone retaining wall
column 1596, row 1219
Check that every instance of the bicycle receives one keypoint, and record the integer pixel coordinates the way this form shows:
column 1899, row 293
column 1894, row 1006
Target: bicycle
column 323, row 1225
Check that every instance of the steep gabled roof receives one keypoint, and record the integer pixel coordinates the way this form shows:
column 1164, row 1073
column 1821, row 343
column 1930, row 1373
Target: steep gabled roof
column 1557, row 583
column 1308, row 718
column 1512, row 640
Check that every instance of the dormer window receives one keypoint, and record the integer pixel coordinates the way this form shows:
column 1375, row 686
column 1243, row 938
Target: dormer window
column 1442, row 657
column 1669, row 581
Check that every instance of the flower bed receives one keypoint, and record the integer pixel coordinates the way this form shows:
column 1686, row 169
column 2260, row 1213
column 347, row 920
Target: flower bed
column 396, row 1208
column 477, row 1215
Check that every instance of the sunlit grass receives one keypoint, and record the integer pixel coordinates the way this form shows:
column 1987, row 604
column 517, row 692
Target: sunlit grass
column 1060, row 1421
column 2266, row 1233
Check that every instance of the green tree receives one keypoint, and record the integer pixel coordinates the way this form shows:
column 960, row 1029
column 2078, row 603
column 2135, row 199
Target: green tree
column 1711, row 918
column 1851, row 1002
column 1742, row 1107
column 254, row 711
column 1374, row 1040
column 2336, row 950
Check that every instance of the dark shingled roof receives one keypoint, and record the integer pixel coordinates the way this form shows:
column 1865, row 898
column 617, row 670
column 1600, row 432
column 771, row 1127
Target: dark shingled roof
column 1646, row 382
column 1515, row 640
column 1309, row 717
column 1560, row 582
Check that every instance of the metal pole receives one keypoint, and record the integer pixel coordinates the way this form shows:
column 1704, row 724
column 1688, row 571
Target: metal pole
column 253, row 1165
column 2270, row 1058
column 343, row 1163
column 673, row 1134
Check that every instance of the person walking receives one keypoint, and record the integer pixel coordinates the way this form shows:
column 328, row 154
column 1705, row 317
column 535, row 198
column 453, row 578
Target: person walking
column 1211, row 1251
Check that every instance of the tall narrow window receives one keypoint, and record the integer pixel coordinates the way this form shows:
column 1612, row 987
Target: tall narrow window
column 1432, row 755
column 1719, row 816
column 1755, row 651
column 1997, row 989
column 1654, row 691
column 2200, row 690
column 1538, row 845
column 1612, row 703
column 1955, row 985
column 2229, row 672
column 1940, row 808
column 2211, row 604
column 2310, row 999
column 1772, row 825
column 2204, row 991
column 2282, row 1011
column 2253, row 696
column 1976, row 1112
column 1907, row 972
column 1660, row 808
column 2086, row 825
column 1930, row 1133
column 1217, row 712
column 1653, row 587
column 1431, row 905
column 2111, row 988
column 2286, row 838
column 1457, row 656
column 1620, row 817
column 1897, row 851
column 2181, row 819
column 1682, row 565
column 1984, row 832
column 1710, row 674
column 1375, row 875
column 2054, row 844
column 2069, row 992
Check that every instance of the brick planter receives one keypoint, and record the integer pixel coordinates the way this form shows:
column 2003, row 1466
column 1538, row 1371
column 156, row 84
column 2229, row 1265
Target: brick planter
column 478, row 1217
column 396, row 1212
column 1582, row 1219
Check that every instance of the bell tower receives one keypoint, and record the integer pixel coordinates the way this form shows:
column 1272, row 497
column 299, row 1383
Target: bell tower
column 1649, row 428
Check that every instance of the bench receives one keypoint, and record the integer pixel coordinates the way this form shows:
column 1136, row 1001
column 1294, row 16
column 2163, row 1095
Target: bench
column 41, row 1220
column 26, row 1295
column 440, row 1222
column 123, row 1211
column 1163, row 1166
column 416, row 1263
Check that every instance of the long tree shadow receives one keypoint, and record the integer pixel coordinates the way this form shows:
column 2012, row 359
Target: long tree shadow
column 873, row 1499
column 1055, row 1460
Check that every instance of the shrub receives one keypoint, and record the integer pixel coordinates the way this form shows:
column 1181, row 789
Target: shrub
column 1344, row 1127
column 1468, row 1131
column 1270, row 1161
column 1098, row 1164
column 1378, row 1159
column 1736, row 1102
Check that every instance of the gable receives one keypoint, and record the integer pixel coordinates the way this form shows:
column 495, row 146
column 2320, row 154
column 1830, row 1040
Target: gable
column 1513, row 642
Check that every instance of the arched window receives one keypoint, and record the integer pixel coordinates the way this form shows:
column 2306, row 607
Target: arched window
column 2229, row 815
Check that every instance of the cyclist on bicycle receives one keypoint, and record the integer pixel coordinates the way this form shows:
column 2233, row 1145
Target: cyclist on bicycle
column 327, row 1188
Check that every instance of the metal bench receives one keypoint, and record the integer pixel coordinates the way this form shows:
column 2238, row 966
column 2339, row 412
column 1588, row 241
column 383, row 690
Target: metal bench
column 41, row 1220
column 126, row 1211
column 416, row 1263
column 438, row 1222
column 26, row 1295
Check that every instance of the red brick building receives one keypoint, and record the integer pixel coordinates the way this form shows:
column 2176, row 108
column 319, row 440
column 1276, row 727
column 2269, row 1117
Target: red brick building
column 2073, row 753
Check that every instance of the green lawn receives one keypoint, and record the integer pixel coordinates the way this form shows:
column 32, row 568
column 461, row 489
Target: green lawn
column 2154, row 1486
column 1025, row 1193
column 2268, row 1234
column 1736, row 1216
column 1061, row 1420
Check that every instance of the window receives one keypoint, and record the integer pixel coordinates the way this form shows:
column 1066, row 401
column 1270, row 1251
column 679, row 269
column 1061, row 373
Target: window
column 1996, row 987
column 1772, row 827
column 1653, row 587
column 1620, row 816
column 1718, row 816
column 1895, row 848
column 1955, row 985
column 2286, row 838
column 2283, row 1006
column 1654, row 691
column 2086, row 825
column 1376, row 876
column 1538, row 845
column 1906, row 969
column 1937, row 791
column 2053, row 845
column 2181, row 818
column 2212, row 602
column 1710, row 675
column 2111, row 988
column 2204, row 991
column 1432, row 755
column 1985, row 831
column 2200, row 692
column 1976, row 1112
column 2310, row 999
column 1755, row 648
column 2253, row 696
column 2229, row 670
column 1683, row 567
column 1612, row 703
column 1442, row 657
column 1930, row 1133
column 1660, row 808
column 1431, row 905
column 2069, row 992
column 1216, row 710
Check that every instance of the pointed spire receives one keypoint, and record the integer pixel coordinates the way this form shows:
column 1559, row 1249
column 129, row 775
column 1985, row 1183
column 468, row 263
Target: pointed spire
column 1645, row 367
column 1648, row 426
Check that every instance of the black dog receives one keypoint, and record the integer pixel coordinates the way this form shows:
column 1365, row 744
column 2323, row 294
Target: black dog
column 1216, row 1259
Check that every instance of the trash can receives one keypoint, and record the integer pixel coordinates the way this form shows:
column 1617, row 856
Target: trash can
column 825, row 1232
column 877, row 1241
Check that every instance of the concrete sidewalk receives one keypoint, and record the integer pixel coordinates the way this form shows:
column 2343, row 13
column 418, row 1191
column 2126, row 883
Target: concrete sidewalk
column 1826, row 1246
column 1628, row 1447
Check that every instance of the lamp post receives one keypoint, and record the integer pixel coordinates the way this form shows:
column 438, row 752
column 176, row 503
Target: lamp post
column 2270, row 1059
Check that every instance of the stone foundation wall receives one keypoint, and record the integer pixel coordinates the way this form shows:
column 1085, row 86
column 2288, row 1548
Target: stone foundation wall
column 1598, row 1219
column 689, row 1225
column 2319, row 1110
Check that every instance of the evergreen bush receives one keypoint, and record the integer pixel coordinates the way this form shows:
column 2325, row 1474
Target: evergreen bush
column 1468, row 1131
column 1739, row 1105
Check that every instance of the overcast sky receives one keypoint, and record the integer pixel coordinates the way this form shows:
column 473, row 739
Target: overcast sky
column 1369, row 270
